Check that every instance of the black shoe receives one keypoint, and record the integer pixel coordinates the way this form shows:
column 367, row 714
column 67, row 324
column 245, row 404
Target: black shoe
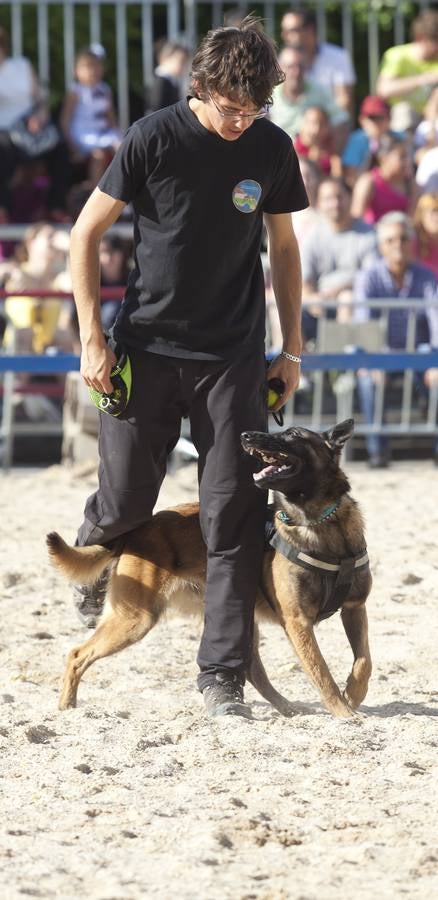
column 89, row 599
column 225, row 697
column 378, row 461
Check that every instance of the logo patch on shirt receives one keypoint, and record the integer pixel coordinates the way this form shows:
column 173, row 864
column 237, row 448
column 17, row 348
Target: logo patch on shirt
column 246, row 195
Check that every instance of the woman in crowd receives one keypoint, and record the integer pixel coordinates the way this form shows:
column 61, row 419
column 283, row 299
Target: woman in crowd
column 389, row 186
column 426, row 232
column 315, row 141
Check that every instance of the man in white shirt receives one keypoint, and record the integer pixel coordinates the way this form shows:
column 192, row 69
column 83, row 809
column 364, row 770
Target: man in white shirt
column 327, row 64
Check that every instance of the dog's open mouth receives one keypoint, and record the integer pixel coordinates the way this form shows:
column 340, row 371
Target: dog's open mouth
column 275, row 464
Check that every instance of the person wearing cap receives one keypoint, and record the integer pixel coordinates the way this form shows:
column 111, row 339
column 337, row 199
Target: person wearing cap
column 374, row 121
column 409, row 72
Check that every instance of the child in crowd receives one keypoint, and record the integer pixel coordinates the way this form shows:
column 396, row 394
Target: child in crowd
column 88, row 118
column 315, row 140
column 362, row 144
column 389, row 187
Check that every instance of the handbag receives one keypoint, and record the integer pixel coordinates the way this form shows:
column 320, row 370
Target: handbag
column 34, row 143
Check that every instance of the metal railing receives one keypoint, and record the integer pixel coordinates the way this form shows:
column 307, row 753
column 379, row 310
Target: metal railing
column 356, row 345
column 342, row 364
column 183, row 22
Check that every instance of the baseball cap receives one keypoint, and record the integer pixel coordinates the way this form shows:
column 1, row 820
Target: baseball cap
column 374, row 106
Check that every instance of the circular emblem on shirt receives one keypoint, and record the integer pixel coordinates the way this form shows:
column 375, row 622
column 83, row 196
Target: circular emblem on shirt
column 246, row 195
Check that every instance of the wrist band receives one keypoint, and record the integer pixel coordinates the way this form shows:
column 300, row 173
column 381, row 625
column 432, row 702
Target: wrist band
column 290, row 356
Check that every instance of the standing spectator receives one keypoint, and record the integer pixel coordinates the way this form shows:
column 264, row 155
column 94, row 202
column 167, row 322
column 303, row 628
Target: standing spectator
column 426, row 232
column 332, row 253
column 410, row 71
column 88, row 117
column 315, row 141
column 327, row 65
column 389, row 186
column 393, row 276
column 168, row 83
column 23, row 120
column 362, row 144
column 297, row 93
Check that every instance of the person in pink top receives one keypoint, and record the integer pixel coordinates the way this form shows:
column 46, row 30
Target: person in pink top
column 389, row 186
column 426, row 232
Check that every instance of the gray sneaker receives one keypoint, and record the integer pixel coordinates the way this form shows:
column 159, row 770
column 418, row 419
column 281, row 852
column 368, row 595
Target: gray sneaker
column 89, row 599
column 225, row 697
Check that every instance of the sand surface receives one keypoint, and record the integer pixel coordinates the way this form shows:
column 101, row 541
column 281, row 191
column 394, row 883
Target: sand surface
column 136, row 794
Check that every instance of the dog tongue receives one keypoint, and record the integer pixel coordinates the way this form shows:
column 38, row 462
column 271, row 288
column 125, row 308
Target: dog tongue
column 266, row 471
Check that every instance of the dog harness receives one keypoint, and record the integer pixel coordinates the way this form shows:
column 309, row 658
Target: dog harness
column 336, row 574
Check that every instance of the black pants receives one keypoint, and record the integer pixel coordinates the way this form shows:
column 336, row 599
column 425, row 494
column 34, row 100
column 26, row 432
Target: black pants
column 222, row 400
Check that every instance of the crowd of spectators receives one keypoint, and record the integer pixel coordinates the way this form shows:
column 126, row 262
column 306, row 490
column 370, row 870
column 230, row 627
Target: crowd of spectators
column 363, row 164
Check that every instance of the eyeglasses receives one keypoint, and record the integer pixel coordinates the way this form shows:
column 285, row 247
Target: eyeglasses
column 375, row 118
column 228, row 113
column 399, row 239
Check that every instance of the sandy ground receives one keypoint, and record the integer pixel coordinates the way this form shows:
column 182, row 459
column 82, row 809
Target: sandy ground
column 135, row 794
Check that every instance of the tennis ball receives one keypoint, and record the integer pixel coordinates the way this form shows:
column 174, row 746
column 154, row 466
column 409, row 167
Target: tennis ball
column 272, row 398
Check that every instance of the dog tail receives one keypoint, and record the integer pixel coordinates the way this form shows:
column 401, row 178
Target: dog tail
column 82, row 565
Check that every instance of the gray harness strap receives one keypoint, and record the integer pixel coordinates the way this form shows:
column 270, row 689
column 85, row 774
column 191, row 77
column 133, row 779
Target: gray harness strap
column 337, row 574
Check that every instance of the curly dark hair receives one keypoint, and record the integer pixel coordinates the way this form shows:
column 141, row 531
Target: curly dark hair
column 239, row 62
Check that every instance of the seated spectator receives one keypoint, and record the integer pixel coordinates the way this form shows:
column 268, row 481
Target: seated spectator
column 426, row 133
column 393, row 276
column 314, row 141
column 332, row 253
column 426, row 176
column 41, row 264
column 115, row 266
column 410, row 71
column 327, row 65
column 304, row 220
column 296, row 94
column 114, row 256
column 389, row 186
column 26, row 134
column 426, row 232
column 362, row 144
column 168, row 83
column 88, row 119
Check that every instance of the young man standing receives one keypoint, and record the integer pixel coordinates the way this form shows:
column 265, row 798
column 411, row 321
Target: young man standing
column 200, row 176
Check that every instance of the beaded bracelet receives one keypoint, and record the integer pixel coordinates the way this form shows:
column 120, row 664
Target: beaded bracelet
column 290, row 356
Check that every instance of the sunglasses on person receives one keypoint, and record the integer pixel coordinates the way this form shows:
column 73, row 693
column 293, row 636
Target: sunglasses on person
column 375, row 118
column 227, row 113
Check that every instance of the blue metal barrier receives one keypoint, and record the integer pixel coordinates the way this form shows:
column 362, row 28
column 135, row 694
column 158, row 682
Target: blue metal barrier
column 359, row 359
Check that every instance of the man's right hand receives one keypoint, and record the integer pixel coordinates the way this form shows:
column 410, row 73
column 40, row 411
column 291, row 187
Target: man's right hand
column 97, row 360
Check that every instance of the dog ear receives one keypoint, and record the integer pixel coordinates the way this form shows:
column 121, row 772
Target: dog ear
column 339, row 434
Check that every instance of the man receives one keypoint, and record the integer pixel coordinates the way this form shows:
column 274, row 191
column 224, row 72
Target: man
column 409, row 72
column 335, row 249
column 326, row 64
column 394, row 277
column 200, row 176
column 297, row 93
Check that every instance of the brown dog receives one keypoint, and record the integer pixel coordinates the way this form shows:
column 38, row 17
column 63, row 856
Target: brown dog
column 316, row 563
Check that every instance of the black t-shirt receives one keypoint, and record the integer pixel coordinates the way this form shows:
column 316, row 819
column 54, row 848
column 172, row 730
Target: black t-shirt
column 197, row 286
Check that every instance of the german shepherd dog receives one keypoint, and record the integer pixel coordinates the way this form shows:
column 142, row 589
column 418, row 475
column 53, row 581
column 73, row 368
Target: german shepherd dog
column 318, row 537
